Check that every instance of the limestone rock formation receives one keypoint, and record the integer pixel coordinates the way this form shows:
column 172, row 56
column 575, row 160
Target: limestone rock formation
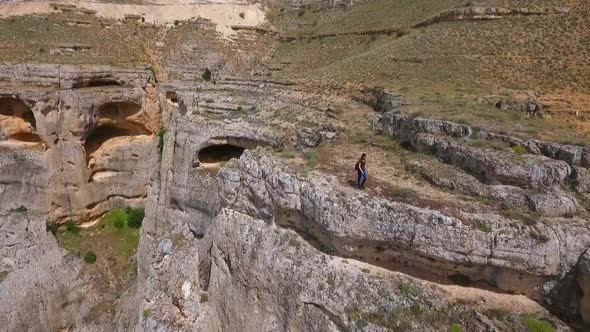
column 86, row 132
column 308, row 138
column 245, row 227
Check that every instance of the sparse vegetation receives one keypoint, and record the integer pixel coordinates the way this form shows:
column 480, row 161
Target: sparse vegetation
column 484, row 228
column 352, row 313
column 206, row 75
column 72, row 227
column 153, row 71
column 20, row 209
column 456, row 327
column 246, row 110
column 483, row 199
column 52, row 227
column 404, row 194
column 119, row 220
column 436, row 82
column 204, row 297
column 331, row 281
column 90, row 257
column 407, row 289
column 135, row 217
column 312, row 158
column 520, row 149
column 147, row 312
column 160, row 135
column 535, row 325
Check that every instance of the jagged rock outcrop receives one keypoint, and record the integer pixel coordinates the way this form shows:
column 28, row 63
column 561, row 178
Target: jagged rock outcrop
column 249, row 259
column 546, row 202
column 496, row 167
column 308, row 138
column 338, row 221
column 405, row 126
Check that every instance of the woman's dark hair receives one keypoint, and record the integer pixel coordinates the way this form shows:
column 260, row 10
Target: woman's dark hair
column 363, row 155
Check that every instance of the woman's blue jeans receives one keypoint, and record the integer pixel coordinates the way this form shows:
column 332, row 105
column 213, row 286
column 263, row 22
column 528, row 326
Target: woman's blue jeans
column 361, row 175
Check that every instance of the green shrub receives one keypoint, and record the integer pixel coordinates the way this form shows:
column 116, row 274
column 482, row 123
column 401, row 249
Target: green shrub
column 20, row 209
column 456, row 328
column 119, row 222
column 312, row 156
column 72, row 227
column 52, row 227
column 408, row 289
column 483, row 200
column 484, row 228
column 147, row 312
column 535, row 325
column 520, row 149
column 135, row 217
column 90, row 257
column 161, row 134
column 151, row 68
column 204, row 297
column 331, row 281
column 206, row 75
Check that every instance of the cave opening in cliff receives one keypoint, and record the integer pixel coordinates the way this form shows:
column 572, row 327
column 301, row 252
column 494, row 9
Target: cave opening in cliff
column 102, row 134
column 96, row 83
column 17, row 121
column 172, row 98
column 117, row 111
column 212, row 158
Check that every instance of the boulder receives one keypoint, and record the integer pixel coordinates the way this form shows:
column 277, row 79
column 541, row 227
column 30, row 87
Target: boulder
column 387, row 101
column 553, row 203
column 308, row 138
column 581, row 179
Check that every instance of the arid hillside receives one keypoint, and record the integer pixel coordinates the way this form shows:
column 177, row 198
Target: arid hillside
column 453, row 59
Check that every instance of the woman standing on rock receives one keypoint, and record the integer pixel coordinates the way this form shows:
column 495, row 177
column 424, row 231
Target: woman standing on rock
column 361, row 170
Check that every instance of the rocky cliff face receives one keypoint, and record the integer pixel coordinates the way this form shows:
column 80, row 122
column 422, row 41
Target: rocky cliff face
column 251, row 244
column 249, row 222
column 264, row 234
column 74, row 142
column 75, row 139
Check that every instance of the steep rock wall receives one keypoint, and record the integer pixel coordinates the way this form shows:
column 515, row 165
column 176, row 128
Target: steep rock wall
column 95, row 127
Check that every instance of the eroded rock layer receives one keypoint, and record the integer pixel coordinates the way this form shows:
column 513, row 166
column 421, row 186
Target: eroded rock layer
column 76, row 139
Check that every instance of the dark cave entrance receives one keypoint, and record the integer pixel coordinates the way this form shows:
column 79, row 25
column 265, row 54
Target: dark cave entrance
column 96, row 83
column 212, row 158
column 17, row 111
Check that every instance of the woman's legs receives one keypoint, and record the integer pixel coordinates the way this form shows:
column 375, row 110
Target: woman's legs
column 365, row 175
column 358, row 179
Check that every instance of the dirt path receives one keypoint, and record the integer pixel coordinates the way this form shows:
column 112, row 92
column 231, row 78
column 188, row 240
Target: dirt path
column 223, row 15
